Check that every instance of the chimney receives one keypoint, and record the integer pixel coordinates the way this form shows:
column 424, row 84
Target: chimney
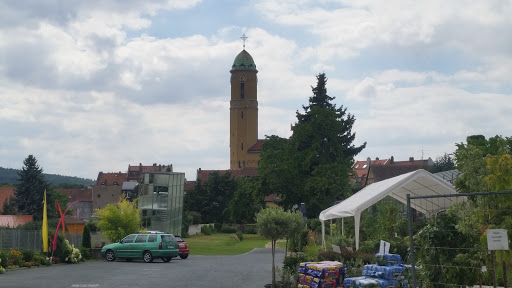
column 368, row 161
column 154, row 164
column 377, row 158
column 392, row 160
column 411, row 159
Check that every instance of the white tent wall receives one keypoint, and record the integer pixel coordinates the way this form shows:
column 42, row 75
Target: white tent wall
column 416, row 183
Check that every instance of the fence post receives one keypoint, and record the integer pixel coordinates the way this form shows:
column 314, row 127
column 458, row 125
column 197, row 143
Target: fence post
column 411, row 243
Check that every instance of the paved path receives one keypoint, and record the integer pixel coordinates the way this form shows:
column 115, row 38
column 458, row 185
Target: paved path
column 253, row 269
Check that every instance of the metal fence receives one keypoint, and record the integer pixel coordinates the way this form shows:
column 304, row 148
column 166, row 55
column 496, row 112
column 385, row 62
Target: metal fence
column 450, row 248
column 30, row 239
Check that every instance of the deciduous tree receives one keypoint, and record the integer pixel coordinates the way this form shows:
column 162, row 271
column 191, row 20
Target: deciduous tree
column 118, row 220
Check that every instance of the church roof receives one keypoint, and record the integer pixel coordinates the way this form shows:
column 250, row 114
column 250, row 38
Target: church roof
column 244, row 61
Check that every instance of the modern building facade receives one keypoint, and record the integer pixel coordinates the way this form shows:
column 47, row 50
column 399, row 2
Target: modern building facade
column 161, row 201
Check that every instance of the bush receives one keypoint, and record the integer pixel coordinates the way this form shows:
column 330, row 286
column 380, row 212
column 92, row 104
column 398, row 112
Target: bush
column 62, row 251
column 218, row 227
column 329, row 255
column 228, row 229
column 240, row 235
column 298, row 241
column 3, row 259
column 28, row 255
column 15, row 258
column 41, row 259
column 292, row 262
column 251, row 229
column 86, row 253
column 86, row 237
column 207, row 229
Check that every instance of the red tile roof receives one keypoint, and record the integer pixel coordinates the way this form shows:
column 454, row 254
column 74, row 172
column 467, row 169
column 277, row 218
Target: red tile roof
column 136, row 172
column 203, row 175
column 189, row 186
column 257, row 147
column 273, row 198
column 68, row 219
column 109, row 179
column 78, row 194
column 5, row 193
column 14, row 221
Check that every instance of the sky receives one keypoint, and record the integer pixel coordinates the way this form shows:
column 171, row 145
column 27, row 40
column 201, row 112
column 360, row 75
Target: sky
column 97, row 85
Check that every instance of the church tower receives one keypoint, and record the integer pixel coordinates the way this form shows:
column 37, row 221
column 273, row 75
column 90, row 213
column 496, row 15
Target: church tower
column 243, row 144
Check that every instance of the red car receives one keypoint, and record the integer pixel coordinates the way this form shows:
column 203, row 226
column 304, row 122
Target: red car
column 182, row 247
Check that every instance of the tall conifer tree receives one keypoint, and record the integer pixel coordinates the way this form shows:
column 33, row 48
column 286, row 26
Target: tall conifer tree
column 29, row 191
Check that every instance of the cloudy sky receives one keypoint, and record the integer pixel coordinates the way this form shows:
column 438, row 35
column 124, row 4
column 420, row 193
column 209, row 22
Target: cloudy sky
column 89, row 86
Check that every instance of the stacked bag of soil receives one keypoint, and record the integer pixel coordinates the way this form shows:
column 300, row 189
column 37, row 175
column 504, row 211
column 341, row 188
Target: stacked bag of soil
column 325, row 274
column 386, row 273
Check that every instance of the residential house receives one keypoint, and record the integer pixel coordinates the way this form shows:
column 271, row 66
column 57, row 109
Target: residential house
column 394, row 168
column 13, row 221
column 361, row 169
column 83, row 208
column 5, row 194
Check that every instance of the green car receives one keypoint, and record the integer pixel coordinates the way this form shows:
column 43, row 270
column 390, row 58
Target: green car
column 148, row 246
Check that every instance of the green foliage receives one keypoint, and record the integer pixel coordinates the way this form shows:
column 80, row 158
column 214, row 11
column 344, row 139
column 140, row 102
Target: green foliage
column 228, row 229
column 30, row 189
column 471, row 161
column 383, row 221
column 208, row 229
column 298, row 241
column 62, row 251
column 247, row 201
column 443, row 163
column 314, row 165
column 86, row 253
column 86, row 237
column 240, row 235
column 292, row 262
column 9, row 207
column 211, row 199
column 296, row 225
column 28, row 255
column 4, row 258
column 118, row 220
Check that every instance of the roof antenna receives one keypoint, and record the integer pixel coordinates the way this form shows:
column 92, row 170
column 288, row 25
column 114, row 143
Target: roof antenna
column 244, row 38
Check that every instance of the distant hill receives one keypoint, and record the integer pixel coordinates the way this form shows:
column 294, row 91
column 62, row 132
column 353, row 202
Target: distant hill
column 9, row 175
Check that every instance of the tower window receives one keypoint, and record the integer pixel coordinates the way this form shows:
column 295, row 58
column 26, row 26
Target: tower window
column 242, row 114
column 242, row 90
column 242, row 146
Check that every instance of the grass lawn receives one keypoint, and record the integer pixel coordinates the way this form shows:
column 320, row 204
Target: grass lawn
column 224, row 244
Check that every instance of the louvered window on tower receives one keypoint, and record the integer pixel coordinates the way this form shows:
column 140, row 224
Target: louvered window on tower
column 242, row 146
column 242, row 114
column 242, row 90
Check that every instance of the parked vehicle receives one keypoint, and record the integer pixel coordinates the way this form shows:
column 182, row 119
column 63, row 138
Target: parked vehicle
column 147, row 245
column 182, row 247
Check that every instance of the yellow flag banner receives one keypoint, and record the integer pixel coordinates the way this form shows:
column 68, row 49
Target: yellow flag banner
column 45, row 226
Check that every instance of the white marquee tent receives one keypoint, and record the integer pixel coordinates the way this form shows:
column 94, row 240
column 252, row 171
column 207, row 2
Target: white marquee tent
column 416, row 183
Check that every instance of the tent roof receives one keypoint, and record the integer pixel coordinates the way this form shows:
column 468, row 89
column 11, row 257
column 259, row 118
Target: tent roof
column 416, row 183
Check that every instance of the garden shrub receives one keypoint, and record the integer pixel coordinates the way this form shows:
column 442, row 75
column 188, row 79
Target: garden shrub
column 41, row 259
column 15, row 258
column 207, row 229
column 329, row 255
column 28, row 255
column 240, row 235
column 62, row 251
column 298, row 241
column 217, row 227
column 292, row 262
column 86, row 253
column 228, row 229
column 4, row 258
column 251, row 229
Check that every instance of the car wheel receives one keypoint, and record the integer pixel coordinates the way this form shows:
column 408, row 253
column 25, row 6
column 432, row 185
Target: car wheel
column 110, row 255
column 148, row 258
column 166, row 259
column 183, row 256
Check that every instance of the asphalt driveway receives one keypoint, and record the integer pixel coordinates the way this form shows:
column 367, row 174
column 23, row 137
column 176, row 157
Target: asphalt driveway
column 253, row 269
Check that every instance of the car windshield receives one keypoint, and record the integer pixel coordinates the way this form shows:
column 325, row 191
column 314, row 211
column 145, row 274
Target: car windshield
column 178, row 239
column 167, row 238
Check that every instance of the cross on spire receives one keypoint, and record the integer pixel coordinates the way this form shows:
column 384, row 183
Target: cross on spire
column 243, row 39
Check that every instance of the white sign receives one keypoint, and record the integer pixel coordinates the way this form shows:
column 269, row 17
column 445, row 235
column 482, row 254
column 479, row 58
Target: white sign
column 497, row 239
column 384, row 247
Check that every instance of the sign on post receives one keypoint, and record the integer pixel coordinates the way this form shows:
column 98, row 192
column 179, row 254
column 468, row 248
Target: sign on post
column 497, row 239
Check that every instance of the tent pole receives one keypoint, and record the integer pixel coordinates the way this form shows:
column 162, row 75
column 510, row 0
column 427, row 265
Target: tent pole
column 357, row 218
column 342, row 226
column 323, row 235
column 330, row 228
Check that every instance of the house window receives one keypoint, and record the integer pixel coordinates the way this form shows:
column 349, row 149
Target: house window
column 242, row 90
column 364, row 166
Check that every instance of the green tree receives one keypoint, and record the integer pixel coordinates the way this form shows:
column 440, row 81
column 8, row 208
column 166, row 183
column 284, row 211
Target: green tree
column 29, row 191
column 296, row 224
column 272, row 223
column 9, row 207
column 471, row 161
column 443, row 163
column 211, row 198
column 246, row 201
column 314, row 165
column 86, row 237
column 118, row 220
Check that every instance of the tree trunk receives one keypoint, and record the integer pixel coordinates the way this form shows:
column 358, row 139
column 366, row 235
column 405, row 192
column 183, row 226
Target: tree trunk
column 505, row 275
